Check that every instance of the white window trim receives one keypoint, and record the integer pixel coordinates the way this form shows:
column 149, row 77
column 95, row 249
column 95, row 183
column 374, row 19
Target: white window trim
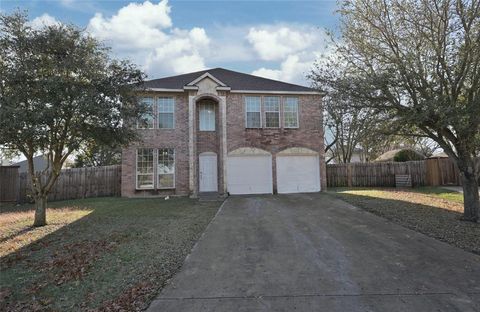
column 157, row 112
column 200, row 119
column 136, row 170
column 260, row 112
column 157, row 180
column 298, row 112
column 278, row 112
column 154, row 101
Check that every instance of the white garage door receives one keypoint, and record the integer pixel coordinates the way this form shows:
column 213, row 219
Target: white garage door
column 298, row 174
column 249, row 174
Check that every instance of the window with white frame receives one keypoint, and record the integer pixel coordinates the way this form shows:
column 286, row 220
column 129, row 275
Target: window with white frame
column 166, row 168
column 290, row 112
column 166, row 112
column 253, row 113
column 146, row 120
column 145, row 168
column 272, row 111
column 207, row 116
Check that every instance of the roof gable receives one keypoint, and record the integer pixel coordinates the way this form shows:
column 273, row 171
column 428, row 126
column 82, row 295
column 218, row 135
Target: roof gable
column 226, row 78
column 207, row 75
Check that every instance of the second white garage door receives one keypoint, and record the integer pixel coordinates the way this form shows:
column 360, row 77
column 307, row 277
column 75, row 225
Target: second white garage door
column 249, row 174
column 298, row 174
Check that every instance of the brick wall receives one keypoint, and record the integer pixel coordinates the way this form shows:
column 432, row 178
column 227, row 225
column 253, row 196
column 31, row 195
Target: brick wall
column 161, row 138
column 309, row 135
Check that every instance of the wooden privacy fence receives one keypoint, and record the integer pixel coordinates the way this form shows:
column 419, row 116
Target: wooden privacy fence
column 77, row 183
column 8, row 183
column 429, row 172
column 442, row 171
column 374, row 174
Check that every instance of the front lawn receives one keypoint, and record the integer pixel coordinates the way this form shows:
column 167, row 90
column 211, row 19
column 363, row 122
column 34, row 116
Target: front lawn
column 435, row 212
column 103, row 254
column 440, row 193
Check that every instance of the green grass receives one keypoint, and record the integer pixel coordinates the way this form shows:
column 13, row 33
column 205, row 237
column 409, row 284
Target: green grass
column 103, row 253
column 435, row 212
column 440, row 193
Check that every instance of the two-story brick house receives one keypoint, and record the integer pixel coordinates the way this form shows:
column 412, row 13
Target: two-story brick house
column 223, row 131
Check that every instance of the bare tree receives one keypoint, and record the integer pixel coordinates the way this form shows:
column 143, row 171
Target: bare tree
column 418, row 63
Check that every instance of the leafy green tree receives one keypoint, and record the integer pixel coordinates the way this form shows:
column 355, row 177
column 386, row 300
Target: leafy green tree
column 59, row 89
column 94, row 155
column 417, row 63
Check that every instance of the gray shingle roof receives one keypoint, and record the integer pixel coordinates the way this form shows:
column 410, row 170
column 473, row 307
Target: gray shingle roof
column 233, row 79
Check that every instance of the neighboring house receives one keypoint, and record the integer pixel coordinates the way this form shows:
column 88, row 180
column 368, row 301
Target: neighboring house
column 358, row 156
column 39, row 162
column 401, row 154
column 223, row 131
column 439, row 155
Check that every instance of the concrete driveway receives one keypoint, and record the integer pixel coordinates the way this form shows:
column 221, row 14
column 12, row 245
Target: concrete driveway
column 312, row 252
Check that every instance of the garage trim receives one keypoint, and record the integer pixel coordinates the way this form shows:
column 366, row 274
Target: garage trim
column 244, row 185
column 294, row 183
column 297, row 151
column 246, row 151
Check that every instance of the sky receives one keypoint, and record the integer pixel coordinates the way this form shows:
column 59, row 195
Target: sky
column 274, row 39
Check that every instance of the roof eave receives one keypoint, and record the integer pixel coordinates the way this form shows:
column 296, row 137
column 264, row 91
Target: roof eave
column 279, row 92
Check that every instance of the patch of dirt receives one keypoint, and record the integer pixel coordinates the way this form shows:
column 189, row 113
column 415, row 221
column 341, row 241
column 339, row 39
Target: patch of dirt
column 131, row 299
column 73, row 260
column 70, row 262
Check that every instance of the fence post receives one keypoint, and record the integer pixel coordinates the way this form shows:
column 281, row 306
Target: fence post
column 349, row 175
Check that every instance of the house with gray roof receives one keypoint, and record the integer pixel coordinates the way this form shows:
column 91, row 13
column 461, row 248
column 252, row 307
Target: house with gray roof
column 221, row 131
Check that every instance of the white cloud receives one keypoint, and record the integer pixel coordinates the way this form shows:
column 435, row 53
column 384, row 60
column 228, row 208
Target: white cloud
column 144, row 32
column 295, row 47
column 135, row 25
column 274, row 43
column 43, row 21
column 292, row 69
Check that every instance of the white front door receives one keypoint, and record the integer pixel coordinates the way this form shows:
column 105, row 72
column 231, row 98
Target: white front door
column 208, row 172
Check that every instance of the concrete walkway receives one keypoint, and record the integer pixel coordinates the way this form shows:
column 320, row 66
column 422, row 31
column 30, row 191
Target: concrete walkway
column 311, row 252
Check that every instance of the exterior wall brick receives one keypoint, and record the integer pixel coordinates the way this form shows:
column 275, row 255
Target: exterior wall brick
column 308, row 135
column 161, row 138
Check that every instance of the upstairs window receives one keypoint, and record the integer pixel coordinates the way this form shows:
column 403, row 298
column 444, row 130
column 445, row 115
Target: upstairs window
column 166, row 109
column 146, row 120
column 272, row 111
column 207, row 116
column 166, row 168
column 253, row 112
column 290, row 112
column 145, row 168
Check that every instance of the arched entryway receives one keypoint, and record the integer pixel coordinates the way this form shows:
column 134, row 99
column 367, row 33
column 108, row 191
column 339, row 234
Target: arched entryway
column 208, row 144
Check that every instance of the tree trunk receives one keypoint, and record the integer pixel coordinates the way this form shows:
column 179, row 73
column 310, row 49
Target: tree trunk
column 40, row 211
column 471, row 199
